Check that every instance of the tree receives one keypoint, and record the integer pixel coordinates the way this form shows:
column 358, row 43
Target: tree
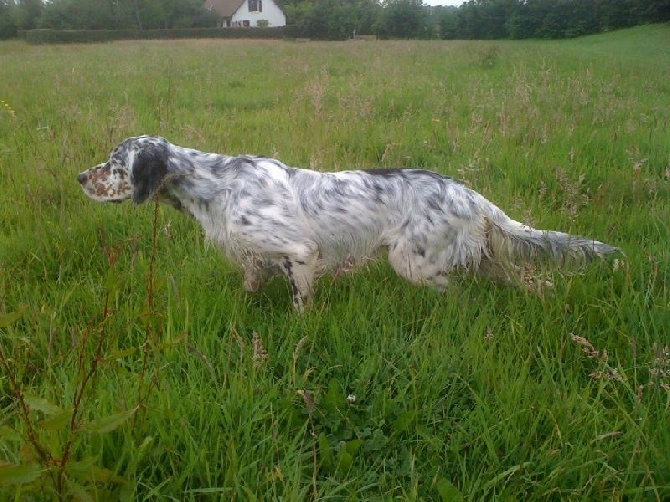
column 333, row 19
column 616, row 14
column 78, row 14
column 448, row 23
column 341, row 19
column 121, row 14
column 27, row 14
column 652, row 11
column 7, row 23
column 404, row 19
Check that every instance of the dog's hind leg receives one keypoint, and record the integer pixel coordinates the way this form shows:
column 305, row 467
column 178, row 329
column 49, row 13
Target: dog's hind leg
column 413, row 263
column 300, row 269
column 497, row 272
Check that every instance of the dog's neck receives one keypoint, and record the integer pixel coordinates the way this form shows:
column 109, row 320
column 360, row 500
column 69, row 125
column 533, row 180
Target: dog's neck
column 195, row 180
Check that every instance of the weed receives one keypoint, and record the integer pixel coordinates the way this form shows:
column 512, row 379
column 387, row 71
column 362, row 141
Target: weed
column 489, row 57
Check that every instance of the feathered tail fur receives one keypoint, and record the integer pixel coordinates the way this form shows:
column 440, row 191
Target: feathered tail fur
column 511, row 241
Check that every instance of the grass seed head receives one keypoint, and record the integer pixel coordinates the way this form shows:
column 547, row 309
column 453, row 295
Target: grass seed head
column 260, row 355
column 587, row 347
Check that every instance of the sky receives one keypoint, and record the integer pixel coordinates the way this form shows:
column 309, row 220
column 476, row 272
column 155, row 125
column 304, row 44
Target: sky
column 457, row 3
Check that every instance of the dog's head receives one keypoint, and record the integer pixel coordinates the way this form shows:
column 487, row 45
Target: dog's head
column 135, row 170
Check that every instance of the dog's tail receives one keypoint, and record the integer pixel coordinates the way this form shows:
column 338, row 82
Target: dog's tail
column 512, row 241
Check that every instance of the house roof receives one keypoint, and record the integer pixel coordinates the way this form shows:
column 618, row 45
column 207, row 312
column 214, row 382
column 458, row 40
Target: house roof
column 224, row 8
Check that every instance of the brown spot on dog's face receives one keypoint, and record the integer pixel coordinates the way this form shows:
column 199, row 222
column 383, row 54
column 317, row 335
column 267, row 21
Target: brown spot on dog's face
column 108, row 182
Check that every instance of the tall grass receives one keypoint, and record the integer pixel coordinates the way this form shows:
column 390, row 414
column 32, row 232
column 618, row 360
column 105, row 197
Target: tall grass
column 134, row 366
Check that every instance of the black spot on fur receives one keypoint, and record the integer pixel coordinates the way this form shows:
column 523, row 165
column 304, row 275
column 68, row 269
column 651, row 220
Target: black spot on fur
column 294, row 290
column 220, row 168
column 240, row 163
column 406, row 173
column 288, row 268
column 434, row 204
column 384, row 172
column 264, row 201
column 149, row 171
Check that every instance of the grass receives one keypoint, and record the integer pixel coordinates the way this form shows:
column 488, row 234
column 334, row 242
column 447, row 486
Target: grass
column 135, row 367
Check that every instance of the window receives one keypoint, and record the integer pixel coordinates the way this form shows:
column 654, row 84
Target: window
column 255, row 5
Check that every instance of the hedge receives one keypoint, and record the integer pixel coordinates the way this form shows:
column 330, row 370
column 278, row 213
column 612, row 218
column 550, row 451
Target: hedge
column 48, row 36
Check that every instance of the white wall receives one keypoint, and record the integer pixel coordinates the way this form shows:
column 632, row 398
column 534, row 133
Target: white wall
column 271, row 13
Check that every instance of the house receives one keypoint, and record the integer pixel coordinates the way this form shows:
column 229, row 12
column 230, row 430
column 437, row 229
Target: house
column 248, row 12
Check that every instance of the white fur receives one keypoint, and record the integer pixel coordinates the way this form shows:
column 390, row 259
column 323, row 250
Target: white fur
column 273, row 219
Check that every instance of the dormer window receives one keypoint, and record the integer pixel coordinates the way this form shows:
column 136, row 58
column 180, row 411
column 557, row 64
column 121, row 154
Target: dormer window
column 255, row 5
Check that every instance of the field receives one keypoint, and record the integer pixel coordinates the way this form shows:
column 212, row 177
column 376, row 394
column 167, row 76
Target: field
column 133, row 366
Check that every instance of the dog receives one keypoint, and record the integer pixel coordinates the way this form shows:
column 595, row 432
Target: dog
column 272, row 219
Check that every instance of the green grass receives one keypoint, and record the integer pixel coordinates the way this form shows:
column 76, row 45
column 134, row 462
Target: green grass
column 136, row 367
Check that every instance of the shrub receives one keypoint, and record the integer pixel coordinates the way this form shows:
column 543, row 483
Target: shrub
column 48, row 36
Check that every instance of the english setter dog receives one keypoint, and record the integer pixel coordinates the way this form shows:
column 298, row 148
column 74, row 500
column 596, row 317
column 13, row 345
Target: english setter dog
column 272, row 219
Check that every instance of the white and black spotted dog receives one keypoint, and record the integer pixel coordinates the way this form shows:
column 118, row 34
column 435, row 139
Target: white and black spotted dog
column 272, row 219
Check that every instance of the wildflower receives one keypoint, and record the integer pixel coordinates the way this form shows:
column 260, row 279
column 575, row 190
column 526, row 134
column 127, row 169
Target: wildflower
column 8, row 108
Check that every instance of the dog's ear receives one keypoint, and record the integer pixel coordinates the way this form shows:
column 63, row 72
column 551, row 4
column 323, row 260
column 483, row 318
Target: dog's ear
column 148, row 171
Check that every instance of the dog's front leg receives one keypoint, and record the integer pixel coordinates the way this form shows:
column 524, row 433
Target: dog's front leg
column 300, row 270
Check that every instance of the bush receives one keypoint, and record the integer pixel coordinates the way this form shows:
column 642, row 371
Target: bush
column 7, row 24
column 48, row 36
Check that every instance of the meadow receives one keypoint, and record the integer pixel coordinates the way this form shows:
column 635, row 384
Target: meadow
column 134, row 367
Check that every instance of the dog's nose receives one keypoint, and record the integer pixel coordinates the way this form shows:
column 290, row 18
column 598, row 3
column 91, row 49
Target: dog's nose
column 82, row 177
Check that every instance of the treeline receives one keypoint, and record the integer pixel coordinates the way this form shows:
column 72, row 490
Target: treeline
column 21, row 15
column 476, row 19
column 498, row 19
column 341, row 19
